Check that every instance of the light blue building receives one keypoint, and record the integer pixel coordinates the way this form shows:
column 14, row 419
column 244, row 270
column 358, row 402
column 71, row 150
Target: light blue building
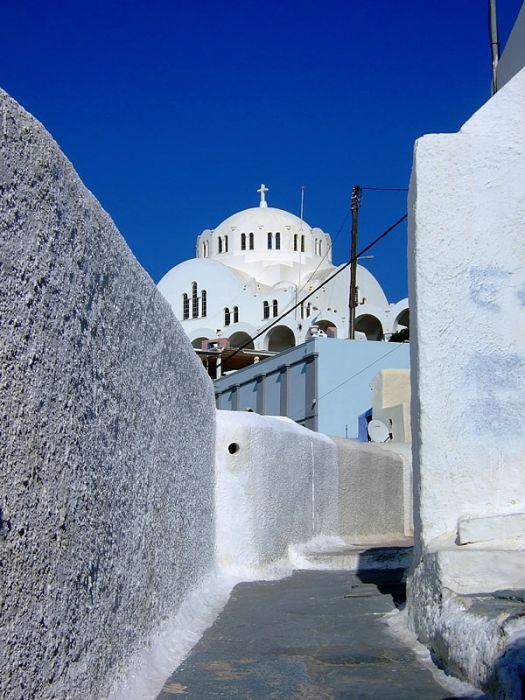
column 323, row 384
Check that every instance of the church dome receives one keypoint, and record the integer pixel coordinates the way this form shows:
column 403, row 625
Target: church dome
column 269, row 243
column 267, row 218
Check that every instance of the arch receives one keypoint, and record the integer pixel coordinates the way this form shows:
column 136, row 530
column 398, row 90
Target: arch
column 250, row 237
column 315, row 246
column 185, row 307
column 225, row 244
column 275, row 307
column 280, row 338
column 270, row 237
column 295, row 241
column 327, row 327
column 197, row 342
column 219, row 244
column 402, row 320
column 239, row 338
column 302, row 243
column 320, row 247
column 204, row 303
column 266, row 309
column 243, row 241
column 236, row 314
column 370, row 326
column 227, row 316
column 277, row 241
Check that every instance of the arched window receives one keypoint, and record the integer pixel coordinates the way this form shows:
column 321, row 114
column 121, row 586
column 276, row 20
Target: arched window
column 277, row 241
column 204, row 303
column 251, row 240
column 243, row 241
column 219, row 242
column 302, row 244
column 185, row 307
column 194, row 301
column 295, row 241
column 226, row 316
column 275, row 306
column 225, row 244
column 266, row 309
column 269, row 240
column 236, row 314
column 320, row 248
column 205, row 249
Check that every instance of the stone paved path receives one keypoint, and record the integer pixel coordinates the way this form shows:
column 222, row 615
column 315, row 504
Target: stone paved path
column 301, row 637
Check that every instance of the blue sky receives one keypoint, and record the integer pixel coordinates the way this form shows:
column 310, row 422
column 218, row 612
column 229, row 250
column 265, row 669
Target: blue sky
column 173, row 113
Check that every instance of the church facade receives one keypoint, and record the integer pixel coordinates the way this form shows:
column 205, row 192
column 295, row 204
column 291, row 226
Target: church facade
column 257, row 264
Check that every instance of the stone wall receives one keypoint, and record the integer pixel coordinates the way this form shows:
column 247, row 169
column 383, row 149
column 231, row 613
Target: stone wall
column 107, row 424
column 467, row 291
column 374, row 492
column 276, row 486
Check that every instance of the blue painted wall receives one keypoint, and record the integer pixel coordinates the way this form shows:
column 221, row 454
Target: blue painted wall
column 327, row 381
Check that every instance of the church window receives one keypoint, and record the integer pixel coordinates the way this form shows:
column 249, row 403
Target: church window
column 194, row 301
column 295, row 241
column 302, row 244
column 225, row 244
column 205, row 249
column 219, row 240
column 251, row 240
column 269, row 240
column 204, row 303
column 275, row 306
column 320, row 249
column 277, row 241
column 243, row 241
column 266, row 309
column 185, row 307
column 227, row 317
column 236, row 314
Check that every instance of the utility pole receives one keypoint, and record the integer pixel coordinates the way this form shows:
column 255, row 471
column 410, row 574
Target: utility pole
column 494, row 44
column 352, row 297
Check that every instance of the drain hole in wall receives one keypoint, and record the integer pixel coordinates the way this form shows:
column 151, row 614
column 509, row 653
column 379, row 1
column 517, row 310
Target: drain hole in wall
column 233, row 448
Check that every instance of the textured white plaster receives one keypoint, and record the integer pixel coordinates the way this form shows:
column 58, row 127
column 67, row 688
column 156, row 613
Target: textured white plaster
column 374, row 497
column 278, row 489
column 467, row 290
column 467, row 282
column 496, row 527
column 107, row 424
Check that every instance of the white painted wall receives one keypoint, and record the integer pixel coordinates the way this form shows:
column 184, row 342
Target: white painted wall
column 277, row 486
column 467, row 285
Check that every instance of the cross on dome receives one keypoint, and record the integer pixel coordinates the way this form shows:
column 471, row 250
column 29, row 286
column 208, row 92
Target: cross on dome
column 263, row 190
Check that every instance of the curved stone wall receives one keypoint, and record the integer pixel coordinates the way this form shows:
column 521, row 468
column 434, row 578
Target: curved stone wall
column 107, row 423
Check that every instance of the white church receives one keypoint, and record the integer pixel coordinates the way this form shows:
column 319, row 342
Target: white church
column 257, row 264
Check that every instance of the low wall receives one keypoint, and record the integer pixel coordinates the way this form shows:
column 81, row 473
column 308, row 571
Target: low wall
column 107, row 423
column 374, row 490
column 276, row 485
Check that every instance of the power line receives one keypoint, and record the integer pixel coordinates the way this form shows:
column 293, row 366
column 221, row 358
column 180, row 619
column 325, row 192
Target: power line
column 386, row 189
column 329, row 279
column 363, row 369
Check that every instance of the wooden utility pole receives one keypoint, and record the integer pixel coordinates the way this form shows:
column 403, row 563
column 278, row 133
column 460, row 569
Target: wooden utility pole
column 494, row 44
column 352, row 297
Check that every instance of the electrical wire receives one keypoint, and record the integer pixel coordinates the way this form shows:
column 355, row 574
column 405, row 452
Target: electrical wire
column 363, row 369
column 329, row 279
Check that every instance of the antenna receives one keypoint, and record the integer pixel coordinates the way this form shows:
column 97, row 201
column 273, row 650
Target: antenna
column 299, row 245
column 378, row 432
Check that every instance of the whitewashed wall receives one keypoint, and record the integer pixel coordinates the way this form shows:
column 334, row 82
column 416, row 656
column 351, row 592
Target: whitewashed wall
column 107, row 424
column 276, row 485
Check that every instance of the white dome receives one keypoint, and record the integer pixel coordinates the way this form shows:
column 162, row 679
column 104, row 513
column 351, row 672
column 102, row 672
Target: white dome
column 255, row 218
